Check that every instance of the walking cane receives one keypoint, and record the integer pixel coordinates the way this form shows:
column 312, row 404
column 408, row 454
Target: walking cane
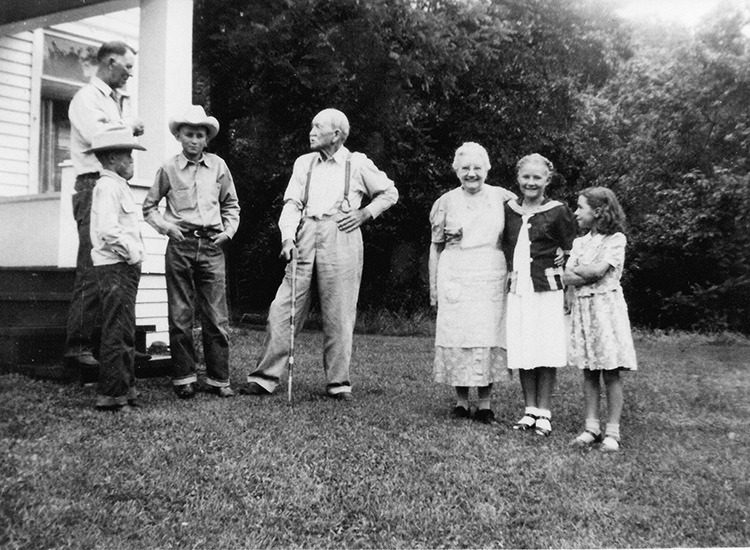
column 292, row 313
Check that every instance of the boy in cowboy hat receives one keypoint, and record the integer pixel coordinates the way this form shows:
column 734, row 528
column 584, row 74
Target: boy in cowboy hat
column 202, row 214
column 117, row 252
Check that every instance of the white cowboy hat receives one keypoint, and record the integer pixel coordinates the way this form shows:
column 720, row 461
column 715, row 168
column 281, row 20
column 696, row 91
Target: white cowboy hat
column 114, row 138
column 195, row 116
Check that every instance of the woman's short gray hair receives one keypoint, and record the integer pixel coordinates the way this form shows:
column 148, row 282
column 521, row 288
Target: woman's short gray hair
column 471, row 148
column 536, row 157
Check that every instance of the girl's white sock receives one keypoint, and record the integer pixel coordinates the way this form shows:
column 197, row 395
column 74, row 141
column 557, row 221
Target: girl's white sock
column 613, row 431
column 592, row 425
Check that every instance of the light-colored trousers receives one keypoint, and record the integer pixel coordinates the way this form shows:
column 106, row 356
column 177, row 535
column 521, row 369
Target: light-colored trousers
column 337, row 259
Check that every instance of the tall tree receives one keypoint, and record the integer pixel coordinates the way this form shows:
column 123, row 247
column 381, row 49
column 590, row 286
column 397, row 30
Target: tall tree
column 670, row 133
column 417, row 78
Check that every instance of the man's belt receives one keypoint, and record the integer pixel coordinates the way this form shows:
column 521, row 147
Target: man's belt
column 200, row 232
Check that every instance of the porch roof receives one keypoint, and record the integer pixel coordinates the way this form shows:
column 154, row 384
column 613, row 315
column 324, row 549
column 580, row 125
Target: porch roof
column 17, row 15
column 19, row 10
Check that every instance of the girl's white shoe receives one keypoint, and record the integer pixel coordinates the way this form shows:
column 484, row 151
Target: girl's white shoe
column 585, row 439
column 610, row 445
column 526, row 423
column 543, row 426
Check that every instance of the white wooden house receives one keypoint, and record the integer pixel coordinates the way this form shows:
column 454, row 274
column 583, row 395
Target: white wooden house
column 45, row 47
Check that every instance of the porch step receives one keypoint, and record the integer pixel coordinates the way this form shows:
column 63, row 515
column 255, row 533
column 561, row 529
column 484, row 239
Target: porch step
column 38, row 351
column 35, row 296
column 31, row 345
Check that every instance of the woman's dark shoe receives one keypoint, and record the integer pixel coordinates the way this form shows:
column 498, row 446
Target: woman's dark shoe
column 486, row 416
column 460, row 412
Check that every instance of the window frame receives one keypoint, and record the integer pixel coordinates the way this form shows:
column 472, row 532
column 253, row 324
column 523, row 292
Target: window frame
column 45, row 87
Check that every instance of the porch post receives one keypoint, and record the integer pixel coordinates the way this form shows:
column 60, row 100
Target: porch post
column 165, row 76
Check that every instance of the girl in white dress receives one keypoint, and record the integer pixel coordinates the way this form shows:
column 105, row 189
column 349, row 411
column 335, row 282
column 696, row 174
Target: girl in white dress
column 537, row 231
column 467, row 276
column 601, row 343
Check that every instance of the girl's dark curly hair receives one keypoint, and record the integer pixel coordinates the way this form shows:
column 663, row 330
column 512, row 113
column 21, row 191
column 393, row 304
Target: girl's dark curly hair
column 611, row 217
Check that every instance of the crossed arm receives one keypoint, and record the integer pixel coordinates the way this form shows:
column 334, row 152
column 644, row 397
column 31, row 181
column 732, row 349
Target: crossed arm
column 584, row 274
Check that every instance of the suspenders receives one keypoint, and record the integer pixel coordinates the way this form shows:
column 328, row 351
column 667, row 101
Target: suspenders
column 345, row 205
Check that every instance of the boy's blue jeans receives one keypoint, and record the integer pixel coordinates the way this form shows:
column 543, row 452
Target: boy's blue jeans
column 118, row 286
column 196, row 272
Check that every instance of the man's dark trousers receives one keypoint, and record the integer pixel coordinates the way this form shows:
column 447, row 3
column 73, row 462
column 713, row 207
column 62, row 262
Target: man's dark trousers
column 84, row 316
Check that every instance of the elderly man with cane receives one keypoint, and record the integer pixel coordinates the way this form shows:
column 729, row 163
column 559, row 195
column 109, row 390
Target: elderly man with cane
column 320, row 223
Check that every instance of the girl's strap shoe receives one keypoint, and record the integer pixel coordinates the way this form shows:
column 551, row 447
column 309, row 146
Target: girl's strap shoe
column 526, row 423
column 543, row 426
column 586, row 439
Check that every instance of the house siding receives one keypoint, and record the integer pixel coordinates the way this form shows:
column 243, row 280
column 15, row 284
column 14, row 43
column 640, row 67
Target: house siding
column 20, row 88
column 16, row 53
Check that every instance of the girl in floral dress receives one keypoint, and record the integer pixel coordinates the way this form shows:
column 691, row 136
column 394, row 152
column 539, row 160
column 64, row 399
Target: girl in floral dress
column 601, row 343
column 467, row 276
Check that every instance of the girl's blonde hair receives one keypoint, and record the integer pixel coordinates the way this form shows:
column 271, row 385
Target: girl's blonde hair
column 535, row 157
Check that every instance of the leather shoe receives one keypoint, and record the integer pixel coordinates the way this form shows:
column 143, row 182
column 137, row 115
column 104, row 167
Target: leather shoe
column 224, row 391
column 485, row 416
column 109, row 408
column 343, row 396
column 253, row 388
column 460, row 412
column 184, row 391
column 86, row 360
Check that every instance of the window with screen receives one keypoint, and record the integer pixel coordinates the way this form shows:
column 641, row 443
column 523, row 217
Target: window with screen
column 68, row 63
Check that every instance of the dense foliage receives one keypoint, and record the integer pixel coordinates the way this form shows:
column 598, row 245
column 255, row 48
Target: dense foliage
column 671, row 134
column 666, row 127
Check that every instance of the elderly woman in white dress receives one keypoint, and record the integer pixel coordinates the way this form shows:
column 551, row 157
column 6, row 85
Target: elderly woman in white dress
column 467, row 283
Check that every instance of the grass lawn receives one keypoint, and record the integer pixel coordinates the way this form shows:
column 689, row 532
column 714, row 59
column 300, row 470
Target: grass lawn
column 388, row 470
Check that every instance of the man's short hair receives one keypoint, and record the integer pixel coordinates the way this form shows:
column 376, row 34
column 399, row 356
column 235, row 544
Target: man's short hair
column 115, row 47
column 338, row 122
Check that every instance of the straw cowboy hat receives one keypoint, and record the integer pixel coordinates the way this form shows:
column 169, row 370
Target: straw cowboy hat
column 114, row 138
column 195, row 116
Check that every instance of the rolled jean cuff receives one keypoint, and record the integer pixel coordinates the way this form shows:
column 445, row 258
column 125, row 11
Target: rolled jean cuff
column 190, row 379
column 336, row 389
column 217, row 383
column 109, row 401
